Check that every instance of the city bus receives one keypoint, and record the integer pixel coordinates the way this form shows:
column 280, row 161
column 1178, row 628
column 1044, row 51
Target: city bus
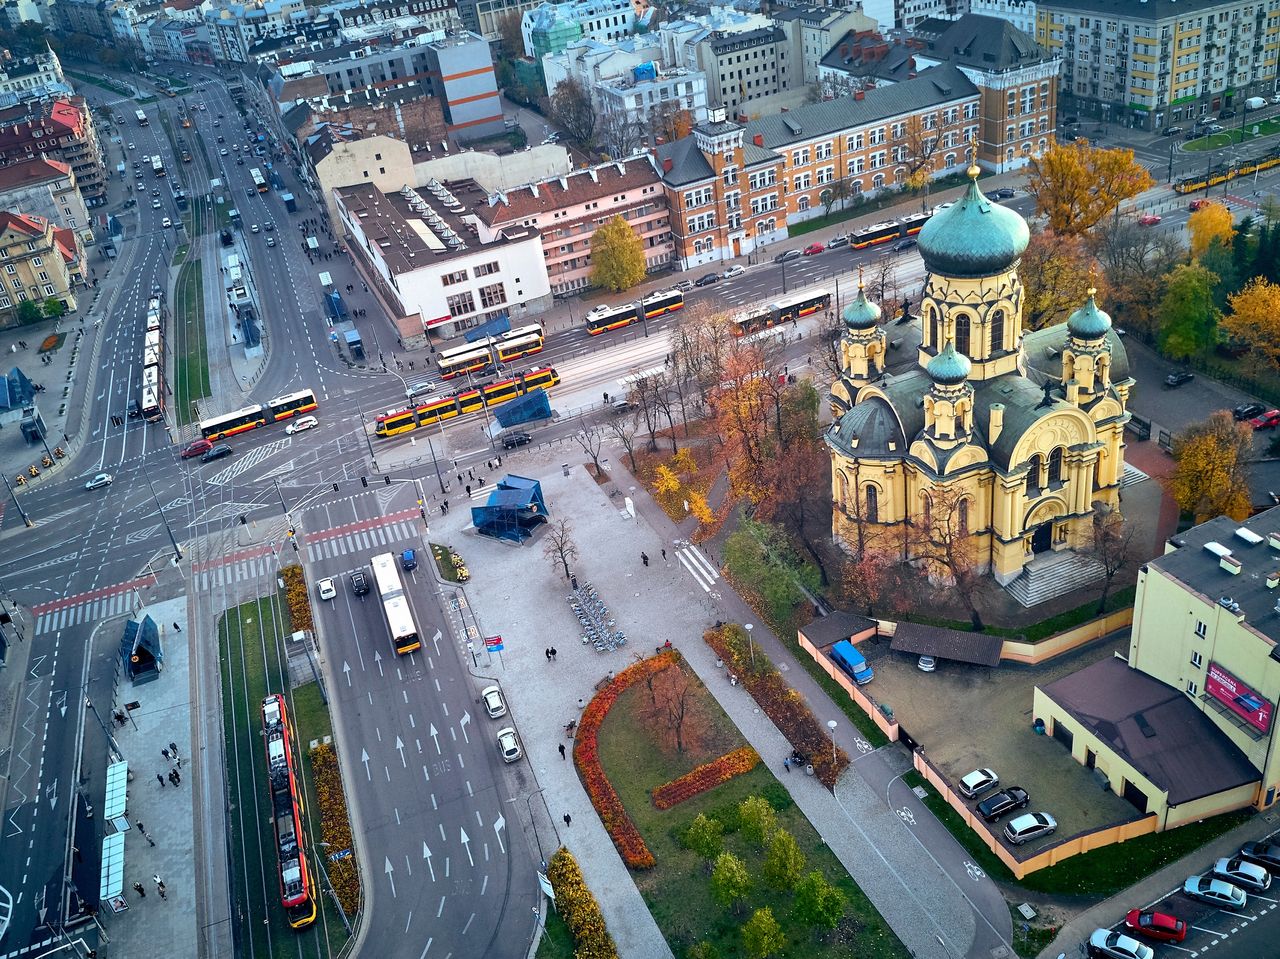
column 471, row 357
column 662, row 303
column 251, row 417
column 395, row 605
column 395, row 422
column 258, row 181
column 297, row 894
column 157, row 165
column 789, row 308
column 605, row 318
column 152, row 407
column 142, row 118
column 292, row 404
column 523, row 341
column 878, row 233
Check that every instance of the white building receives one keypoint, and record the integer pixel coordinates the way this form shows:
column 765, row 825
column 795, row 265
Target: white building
column 744, row 56
column 422, row 249
column 548, row 27
column 1021, row 13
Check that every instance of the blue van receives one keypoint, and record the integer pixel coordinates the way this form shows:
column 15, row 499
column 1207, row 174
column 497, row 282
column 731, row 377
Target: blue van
column 852, row 662
column 409, row 559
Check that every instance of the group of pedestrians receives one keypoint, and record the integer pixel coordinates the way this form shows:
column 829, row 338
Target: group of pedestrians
column 170, row 755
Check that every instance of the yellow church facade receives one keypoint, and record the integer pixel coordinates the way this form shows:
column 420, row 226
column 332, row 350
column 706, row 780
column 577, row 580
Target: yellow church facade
column 1018, row 436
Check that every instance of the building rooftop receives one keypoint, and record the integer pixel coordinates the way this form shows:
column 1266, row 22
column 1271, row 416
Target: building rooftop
column 872, row 56
column 689, row 165
column 1155, row 728
column 990, row 44
column 1148, row 10
column 556, row 193
column 28, row 172
column 1199, row 557
column 417, row 229
column 917, row 639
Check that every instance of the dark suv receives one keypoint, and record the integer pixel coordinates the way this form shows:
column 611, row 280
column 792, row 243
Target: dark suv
column 1006, row 800
column 359, row 583
column 512, row 440
column 219, row 451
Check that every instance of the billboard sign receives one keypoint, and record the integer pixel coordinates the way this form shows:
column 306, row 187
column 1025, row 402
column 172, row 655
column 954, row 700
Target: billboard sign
column 1237, row 697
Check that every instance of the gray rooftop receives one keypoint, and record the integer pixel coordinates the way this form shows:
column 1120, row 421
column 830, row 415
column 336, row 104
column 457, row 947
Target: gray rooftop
column 1201, row 571
column 990, row 44
column 917, row 639
column 1155, row 728
column 1149, row 10
column 688, row 165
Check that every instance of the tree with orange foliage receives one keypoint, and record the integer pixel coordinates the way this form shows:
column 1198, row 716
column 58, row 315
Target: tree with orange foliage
column 1077, row 185
column 1213, row 221
column 1056, row 272
column 1255, row 319
column 1212, row 474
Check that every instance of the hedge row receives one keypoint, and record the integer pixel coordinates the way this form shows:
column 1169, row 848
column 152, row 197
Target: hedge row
column 296, row 595
column 579, row 909
column 707, row 776
column 335, row 827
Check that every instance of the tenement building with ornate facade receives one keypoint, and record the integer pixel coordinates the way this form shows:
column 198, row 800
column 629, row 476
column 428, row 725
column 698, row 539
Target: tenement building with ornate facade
column 1020, row 435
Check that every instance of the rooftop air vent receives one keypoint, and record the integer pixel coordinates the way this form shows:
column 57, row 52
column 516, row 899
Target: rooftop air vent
column 1217, row 549
column 1141, row 722
column 1249, row 536
column 1226, row 602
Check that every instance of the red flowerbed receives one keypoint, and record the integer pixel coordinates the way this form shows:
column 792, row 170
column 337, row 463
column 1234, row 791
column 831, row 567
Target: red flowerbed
column 707, row 776
column 586, row 756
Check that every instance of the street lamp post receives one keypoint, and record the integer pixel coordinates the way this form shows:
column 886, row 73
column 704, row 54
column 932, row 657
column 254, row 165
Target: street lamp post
column 21, row 512
column 751, row 646
column 177, row 550
column 831, row 725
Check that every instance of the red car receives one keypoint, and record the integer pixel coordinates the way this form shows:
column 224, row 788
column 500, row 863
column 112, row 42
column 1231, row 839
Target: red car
column 1267, row 421
column 813, row 248
column 1148, row 219
column 1156, row 925
column 197, row 448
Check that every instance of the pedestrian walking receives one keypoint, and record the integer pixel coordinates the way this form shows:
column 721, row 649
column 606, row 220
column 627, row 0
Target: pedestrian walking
column 553, row 654
column 173, row 748
column 459, row 478
column 471, row 473
column 568, row 820
column 468, row 490
column 177, row 628
column 664, row 555
column 177, row 763
column 161, row 778
column 173, row 778
column 644, row 558
column 547, row 652
column 786, row 763
column 162, row 892
column 499, row 461
column 562, row 750
column 138, row 888
column 165, row 753
column 158, row 881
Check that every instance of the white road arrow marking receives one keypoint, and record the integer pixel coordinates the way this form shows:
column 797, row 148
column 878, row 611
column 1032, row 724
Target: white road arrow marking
column 346, row 671
column 464, row 722
column 51, row 793
column 466, row 841
column 435, row 736
column 499, row 825
column 364, row 758
column 377, row 658
column 400, row 750
column 426, row 854
column 390, row 874
column 62, row 704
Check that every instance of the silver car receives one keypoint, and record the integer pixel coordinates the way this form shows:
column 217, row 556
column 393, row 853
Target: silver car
column 1217, row 892
column 508, row 744
column 978, row 782
column 1105, row 944
column 1030, row 826
column 1240, row 872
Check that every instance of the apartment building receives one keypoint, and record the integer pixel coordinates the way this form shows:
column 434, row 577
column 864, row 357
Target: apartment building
column 1019, row 13
column 550, row 27
column 566, row 211
column 423, row 251
column 1151, row 64
column 58, row 129
column 31, row 77
column 431, row 15
column 871, row 140
column 342, row 156
column 485, row 16
column 46, row 188
column 814, row 30
column 860, row 61
column 745, row 56
column 37, row 262
column 725, row 192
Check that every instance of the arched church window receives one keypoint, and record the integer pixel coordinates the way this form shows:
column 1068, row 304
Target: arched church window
column 962, row 333
column 962, row 517
column 926, row 510
column 931, row 326
column 843, row 482
column 873, row 505
column 997, row 331
column 1033, row 474
column 1055, row 465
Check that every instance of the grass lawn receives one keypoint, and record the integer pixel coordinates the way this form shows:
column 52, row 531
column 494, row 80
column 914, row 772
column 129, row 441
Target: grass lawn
column 1031, row 938
column 443, row 563
column 677, row 890
column 252, row 665
column 1097, row 874
column 1234, row 134
column 191, row 358
column 557, row 940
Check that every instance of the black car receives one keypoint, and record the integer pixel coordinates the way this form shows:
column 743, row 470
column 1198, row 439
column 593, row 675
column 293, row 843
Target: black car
column 906, row 244
column 707, row 279
column 1247, row 411
column 1265, row 854
column 1006, row 800
column 1006, row 193
column 1174, row 380
column 512, row 440
column 1171, row 131
column 134, row 410
column 787, row 256
column 219, row 451
column 1226, row 114
column 359, row 582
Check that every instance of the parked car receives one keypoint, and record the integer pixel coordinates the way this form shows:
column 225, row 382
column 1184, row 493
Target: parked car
column 409, row 559
column 1266, row 421
column 1005, row 801
column 1171, row 131
column 99, row 481
column 1247, row 875
column 1149, row 219
column 979, row 781
column 1226, row 114
column 1006, row 193
column 216, row 453
column 518, row 438
column 927, row 664
column 360, row 582
column 494, row 705
column 1247, row 411
column 707, row 279
column 736, row 270
column 1265, row 854
column 1214, row 128
column 1105, row 944
column 1156, row 925
column 786, row 257
column 904, row 244
column 134, row 409
column 302, row 424
column 326, row 588
column 838, row 241
column 847, row 657
column 1216, row 892
column 684, row 286
column 508, row 744
column 1029, row 826
column 195, row 448
column 814, row 248
column 1178, row 377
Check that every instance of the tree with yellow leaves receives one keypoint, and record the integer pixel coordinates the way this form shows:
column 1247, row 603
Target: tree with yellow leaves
column 1076, row 185
column 1212, row 474
column 1213, row 221
column 1057, row 273
column 1255, row 319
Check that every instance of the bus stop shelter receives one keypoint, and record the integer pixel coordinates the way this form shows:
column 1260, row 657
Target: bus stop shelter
column 513, row 511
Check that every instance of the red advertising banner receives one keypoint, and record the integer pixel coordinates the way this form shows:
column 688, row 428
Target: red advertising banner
column 1237, row 697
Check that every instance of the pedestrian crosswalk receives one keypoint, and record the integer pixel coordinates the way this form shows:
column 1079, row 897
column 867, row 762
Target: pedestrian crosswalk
column 122, row 599
column 361, row 541
column 699, row 567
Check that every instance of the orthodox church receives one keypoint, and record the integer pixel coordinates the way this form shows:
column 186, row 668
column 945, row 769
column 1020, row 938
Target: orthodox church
column 1023, row 431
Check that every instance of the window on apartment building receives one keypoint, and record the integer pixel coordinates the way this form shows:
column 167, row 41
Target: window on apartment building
column 900, row 154
column 48, row 289
column 971, row 111
column 898, row 131
column 733, row 200
column 826, row 174
column 11, row 269
column 42, row 276
column 696, row 198
column 857, row 165
column 1192, row 688
column 461, row 304
column 5, row 302
column 487, row 269
column 763, row 204
column 824, row 151
column 877, row 136
column 856, row 142
column 1202, row 630
column 802, row 204
column 803, row 181
column 765, row 227
column 491, row 296
column 877, row 159
column 1197, row 660
column 729, row 175
column 877, row 181
column 702, row 222
column 31, row 246
column 800, row 157
column 4, row 254
column 22, row 296
column 449, row 279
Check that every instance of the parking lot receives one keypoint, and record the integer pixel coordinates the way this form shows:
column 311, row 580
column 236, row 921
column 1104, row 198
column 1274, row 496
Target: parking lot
column 968, row 717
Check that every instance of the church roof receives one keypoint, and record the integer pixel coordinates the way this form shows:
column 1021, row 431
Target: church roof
column 974, row 238
column 1024, row 407
column 1089, row 322
column 861, row 314
column 870, row 428
column 949, row 367
column 1043, row 349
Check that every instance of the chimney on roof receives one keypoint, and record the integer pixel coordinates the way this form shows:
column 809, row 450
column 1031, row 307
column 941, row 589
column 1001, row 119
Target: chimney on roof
column 859, row 95
column 758, row 139
column 667, row 164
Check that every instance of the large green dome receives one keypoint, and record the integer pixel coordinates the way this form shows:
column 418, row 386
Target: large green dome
column 1089, row 322
column 949, row 368
column 973, row 238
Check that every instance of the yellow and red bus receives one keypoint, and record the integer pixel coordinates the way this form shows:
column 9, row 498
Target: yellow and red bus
column 395, row 422
column 251, row 417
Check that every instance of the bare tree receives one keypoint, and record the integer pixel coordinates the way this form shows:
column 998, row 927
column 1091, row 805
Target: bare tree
column 836, row 192
column 669, row 121
column 624, row 429
column 944, row 542
column 919, row 146
column 591, row 440
column 672, row 701
column 619, row 133
column 1111, row 544
column 570, row 106
column 560, row 548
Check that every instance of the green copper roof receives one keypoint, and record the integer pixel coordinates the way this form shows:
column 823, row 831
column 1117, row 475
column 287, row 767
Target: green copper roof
column 974, row 238
column 861, row 314
column 949, row 367
column 1089, row 322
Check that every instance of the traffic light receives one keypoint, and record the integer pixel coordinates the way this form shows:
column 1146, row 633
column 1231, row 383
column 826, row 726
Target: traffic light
column 364, row 481
column 335, row 487
column 388, row 480
column 243, row 521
